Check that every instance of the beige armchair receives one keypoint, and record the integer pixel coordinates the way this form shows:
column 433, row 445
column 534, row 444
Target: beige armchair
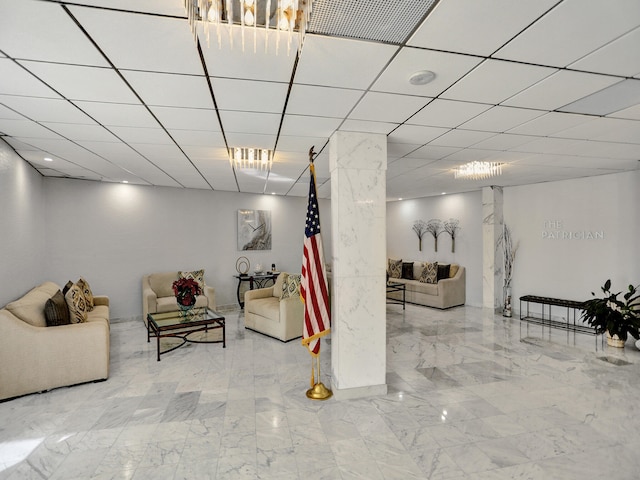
column 266, row 312
column 158, row 296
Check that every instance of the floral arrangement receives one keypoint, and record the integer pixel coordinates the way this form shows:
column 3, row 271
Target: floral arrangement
column 186, row 291
column 618, row 317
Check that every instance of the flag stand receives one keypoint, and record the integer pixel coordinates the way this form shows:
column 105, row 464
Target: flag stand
column 318, row 391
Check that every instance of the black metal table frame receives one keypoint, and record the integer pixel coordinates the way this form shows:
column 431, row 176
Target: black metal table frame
column 397, row 287
column 183, row 331
column 255, row 281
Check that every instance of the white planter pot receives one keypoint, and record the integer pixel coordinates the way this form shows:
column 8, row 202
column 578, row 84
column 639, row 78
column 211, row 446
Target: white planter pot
column 614, row 341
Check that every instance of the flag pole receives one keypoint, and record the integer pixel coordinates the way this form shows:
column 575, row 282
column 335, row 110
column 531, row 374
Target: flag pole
column 317, row 391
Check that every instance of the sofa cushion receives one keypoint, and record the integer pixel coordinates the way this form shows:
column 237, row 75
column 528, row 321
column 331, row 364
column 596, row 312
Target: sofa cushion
column 161, row 283
column 30, row 307
column 99, row 311
column 453, row 270
column 56, row 311
column 268, row 307
column 394, row 267
column 277, row 286
column 291, row 286
column 77, row 305
column 443, row 271
column 417, row 270
column 197, row 275
column 424, row 288
column 429, row 272
column 407, row 270
column 86, row 291
column 66, row 287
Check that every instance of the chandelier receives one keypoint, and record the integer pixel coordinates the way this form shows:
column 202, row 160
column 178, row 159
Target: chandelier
column 251, row 158
column 478, row 170
column 282, row 17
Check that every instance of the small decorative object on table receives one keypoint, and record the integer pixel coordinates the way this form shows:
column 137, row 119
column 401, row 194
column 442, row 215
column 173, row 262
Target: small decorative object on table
column 243, row 265
column 616, row 318
column 186, row 291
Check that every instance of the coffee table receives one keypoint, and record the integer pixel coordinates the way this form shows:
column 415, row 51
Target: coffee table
column 175, row 324
column 393, row 287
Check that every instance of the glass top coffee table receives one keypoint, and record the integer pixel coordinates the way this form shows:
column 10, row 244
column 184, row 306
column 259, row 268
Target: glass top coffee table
column 185, row 325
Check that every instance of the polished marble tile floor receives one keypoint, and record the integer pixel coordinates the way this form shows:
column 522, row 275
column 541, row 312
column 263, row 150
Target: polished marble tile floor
column 472, row 395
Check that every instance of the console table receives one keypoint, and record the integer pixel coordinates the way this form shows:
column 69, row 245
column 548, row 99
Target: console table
column 255, row 281
column 572, row 306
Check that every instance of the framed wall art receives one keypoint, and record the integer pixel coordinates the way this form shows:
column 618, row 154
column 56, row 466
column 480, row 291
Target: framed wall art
column 254, row 229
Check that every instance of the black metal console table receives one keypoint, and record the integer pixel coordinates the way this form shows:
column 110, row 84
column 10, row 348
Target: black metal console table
column 572, row 306
column 255, row 281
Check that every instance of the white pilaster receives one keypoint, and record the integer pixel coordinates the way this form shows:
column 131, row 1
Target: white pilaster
column 492, row 221
column 358, row 163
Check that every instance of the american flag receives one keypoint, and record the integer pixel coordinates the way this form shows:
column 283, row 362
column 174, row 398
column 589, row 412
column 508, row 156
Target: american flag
column 313, row 287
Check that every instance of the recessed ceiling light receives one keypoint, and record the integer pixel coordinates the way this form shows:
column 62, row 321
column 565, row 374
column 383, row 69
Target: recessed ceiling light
column 47, row 159
column 443, row 193
column 400, row 199
column 125, row 181
column 422, row 77
column 273, row 193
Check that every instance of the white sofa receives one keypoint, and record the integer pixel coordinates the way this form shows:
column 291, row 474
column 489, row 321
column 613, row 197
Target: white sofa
column 158, row 296
column 35, row 358
column 267, row 313
column 446, row 293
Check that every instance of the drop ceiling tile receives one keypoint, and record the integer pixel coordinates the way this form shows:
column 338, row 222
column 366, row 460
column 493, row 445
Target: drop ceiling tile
column 621, row 95
column 625, row 134
column 461, row 138
column 142, row 42
column 137, row 135
column 170, row 90
column 232, row 62
column 187, row 118
column 16, row 80
column 387, row 107
column 550, row 123
column 504, row 141
column 160, row 7
column 44, row 31
column 322, row 101
column 118, row 114
column 620, row 57
column 208, row 154
column 476, row 27
column 197, row 138
column 559, row 89
column 249, row 96
column 77, row 132
column 448, row 68
column 447, row 113
column 300, row 144
column 309, row 126
column 464, row 155
column 632, row 113
column 25, row 128
column 415, row 134
column 560, row 146
column 607, row 150
column 83, row 83
column 235, row 139
column 397, row 150
column 9, row 114
column 250, row 122
column 341, row 62
column 367, row 127
column 46, row 109
column 433, row 152
column 595, row 126
column 159, row 154
column 494, row 81
column 22, row 145
column 500, row 119
column 579, row 27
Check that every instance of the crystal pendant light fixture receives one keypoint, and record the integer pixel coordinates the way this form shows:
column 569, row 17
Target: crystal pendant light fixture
column 251, row 158
column 478, row 170
column 283, row 17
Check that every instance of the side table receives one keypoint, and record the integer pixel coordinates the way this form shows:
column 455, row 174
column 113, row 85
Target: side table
column 255, row 281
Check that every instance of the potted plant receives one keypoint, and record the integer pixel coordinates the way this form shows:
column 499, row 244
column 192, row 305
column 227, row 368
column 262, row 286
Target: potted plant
column 615, row 317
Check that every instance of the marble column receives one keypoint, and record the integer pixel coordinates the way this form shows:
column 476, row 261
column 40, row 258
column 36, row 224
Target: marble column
column 492, row 221
column 358, row 164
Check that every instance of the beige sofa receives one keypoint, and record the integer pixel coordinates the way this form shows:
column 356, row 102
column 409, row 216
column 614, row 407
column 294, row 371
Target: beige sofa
column 158, row 296
column 266, row 313
column 35, row 358
column 446, row 293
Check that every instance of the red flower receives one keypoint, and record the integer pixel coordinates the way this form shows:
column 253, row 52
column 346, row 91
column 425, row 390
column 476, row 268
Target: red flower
column 186, row 291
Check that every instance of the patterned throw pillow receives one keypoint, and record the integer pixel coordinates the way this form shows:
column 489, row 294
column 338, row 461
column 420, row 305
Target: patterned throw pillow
column 291, row 286
column 77, row 305
column 407, row 270
column 429, row 272
column 197, row 275
column 86, row 291
column 395, row 268
column 56, row 311
column 453, row 270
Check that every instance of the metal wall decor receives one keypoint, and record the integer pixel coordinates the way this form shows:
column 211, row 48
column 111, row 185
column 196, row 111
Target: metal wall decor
column 243, row 265
column 452, row 226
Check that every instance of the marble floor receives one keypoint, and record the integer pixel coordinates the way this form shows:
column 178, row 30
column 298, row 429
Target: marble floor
column 472, row 395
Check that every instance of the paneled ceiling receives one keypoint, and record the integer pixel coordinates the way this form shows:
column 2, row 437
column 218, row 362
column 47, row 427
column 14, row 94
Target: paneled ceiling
column 114, row 90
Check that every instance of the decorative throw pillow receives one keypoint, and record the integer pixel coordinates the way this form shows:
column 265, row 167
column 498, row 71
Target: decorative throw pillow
column 429, row 272
column 291, row 286
column 56, row 311
column 453, row 270
column 443, row 271
column 67, row 286
column 77, row 305
column 395, row 268
column 407, row 270
column 86, row 291
column 197, row 275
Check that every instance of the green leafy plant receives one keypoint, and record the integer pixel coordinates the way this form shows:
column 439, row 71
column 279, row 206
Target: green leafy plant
column 609, row 313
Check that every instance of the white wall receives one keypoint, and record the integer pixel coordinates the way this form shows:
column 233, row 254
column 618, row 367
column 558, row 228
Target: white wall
column 573, row 268
column 23, row 228
column 402, row 242
column 113, row 234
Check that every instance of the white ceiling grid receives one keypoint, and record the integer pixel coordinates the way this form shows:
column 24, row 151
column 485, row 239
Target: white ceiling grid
column 115, row 90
